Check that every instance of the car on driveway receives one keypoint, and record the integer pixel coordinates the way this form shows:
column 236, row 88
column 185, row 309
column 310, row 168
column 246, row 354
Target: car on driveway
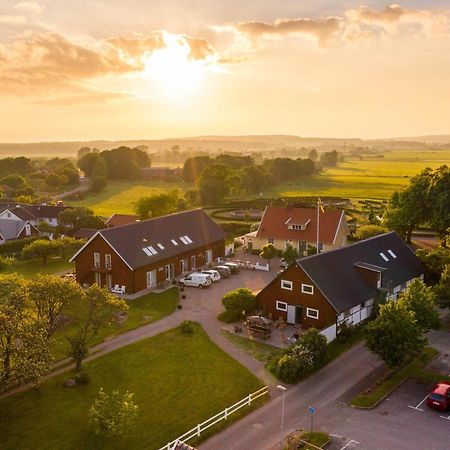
column 233, row 267
column 214, row 274
column 223, row 270
column 195, row 279
column 439, row 397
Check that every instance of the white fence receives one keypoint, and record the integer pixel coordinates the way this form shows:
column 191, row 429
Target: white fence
column 245, row 264
column 329, row 333
column 223, row 415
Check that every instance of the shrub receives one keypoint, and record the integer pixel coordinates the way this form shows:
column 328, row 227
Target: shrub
column 5, row 262
column 82, row 378
column 368, row 231
column 314, row 342
column 187, row 327
column 230, row 316
column 98, row 184
column 297, row 362
column 241, row 299
column 287, row 368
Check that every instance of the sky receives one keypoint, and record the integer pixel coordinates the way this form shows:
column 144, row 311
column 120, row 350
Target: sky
column 135, row 69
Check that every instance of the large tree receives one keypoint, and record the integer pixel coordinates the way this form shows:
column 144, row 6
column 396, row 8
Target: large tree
column 442, row 289
column 394, row 336
column 157, row 205
column 268, row 252
column 214, row 183
column 94, row 309
column 41, row 248
column 72, row 219
column 51, row 296
column 439, row 199
column 290, row 255
column 420, row 299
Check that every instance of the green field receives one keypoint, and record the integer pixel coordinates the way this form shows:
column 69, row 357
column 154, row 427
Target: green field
column 178, row 382
column 30, row 268
column 375, row 178
column 119, row 196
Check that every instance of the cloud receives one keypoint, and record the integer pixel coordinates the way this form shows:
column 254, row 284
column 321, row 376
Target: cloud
column 200, row 48
column 135, row 48
column 29, row 7
column 12, row 19
column 354, row 24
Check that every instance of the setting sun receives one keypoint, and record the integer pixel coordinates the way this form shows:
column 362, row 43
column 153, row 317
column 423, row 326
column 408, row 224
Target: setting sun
column 173, row 67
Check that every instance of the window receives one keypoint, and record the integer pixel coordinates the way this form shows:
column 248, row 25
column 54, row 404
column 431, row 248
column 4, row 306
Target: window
column 96, row 260
column 183, row 240
column 188, row 239
column 384, row 256
column 392, row 254
column 161, row 246
column 285, row 284
column 307, row 289
column 152, row 250
column 281, row 306
column 147, row 251
column 270, row 240
column 320, row 247
column 108, row 261
column 312, row 313
column 174, row 242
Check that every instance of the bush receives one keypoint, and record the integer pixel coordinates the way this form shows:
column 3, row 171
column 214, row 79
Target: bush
column 98, row 184
column 294, row 364
column 5, row 262
column 13, row 248
column 287, row 368
column 241, row 299
column 315, row 343
column 230, row 316
column 368, row 231
column 187, row 327
column 82, row 378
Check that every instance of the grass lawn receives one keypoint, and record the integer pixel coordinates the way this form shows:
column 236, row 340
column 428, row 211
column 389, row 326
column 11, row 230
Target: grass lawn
column 316, row 438
column 413, row 370
column 260, row 351
column 178, row 381
column 144, row 310
column 119, row 196
column 31, row 268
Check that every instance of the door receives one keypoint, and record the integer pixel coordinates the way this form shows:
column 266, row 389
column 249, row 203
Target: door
column 182, row 266
column 109, row 281
column 168, row 271
column 298, row 314
column 151, row 279
column 193, row 262
column 208, row 256
column 98, row 278
column 291, row 314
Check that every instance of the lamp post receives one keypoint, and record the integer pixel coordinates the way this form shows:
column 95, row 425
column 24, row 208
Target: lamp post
column 283, row 390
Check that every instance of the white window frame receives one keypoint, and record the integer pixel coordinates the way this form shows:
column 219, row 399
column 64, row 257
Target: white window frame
column 308, row 313
column 281, row 306
column 271, row 241
column 97, row 260
column 285, row 287
column 304, row 285
column 108, row 261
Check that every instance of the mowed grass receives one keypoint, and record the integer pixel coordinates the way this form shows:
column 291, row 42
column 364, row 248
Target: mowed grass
column 31, row 268
column 142, row 311
column 375, row 178
column 178, row 381
column 120, row 196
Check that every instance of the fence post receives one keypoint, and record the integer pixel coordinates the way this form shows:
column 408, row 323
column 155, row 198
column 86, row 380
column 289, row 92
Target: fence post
column 226, row 413
column 249, row 399
column 199, row 429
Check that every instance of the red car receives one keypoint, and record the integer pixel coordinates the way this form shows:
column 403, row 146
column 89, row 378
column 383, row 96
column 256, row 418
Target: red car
column 439, row 398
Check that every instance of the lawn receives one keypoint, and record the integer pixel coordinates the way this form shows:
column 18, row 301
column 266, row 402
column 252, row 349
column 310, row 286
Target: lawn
column 119, row 196
column 178, row 381
column 31, row 268
column 370, row 399
column 144, row 310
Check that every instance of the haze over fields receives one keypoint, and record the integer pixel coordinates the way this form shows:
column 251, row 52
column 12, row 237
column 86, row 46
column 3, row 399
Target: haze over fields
column 114, row 70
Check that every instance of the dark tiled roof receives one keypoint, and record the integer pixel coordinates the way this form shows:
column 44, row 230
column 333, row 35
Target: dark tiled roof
column 22, row 213
column 84, row 233
column 274, row 224
column 130, row 240
column 35, row 212
column 117, row 220
column 10, row 229
column 335, row 274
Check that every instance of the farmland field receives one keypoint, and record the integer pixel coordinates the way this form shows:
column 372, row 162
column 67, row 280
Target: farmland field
column 367, row 178
column 119, row 196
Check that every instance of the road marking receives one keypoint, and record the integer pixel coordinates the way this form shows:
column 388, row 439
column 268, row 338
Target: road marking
column 335, row 435
column 446, row 418
column 348, row 443
column 417, row 406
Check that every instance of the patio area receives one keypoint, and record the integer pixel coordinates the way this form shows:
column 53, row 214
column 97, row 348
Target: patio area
column 281, row 335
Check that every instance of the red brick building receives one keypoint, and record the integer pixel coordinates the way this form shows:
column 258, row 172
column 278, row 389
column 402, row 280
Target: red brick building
column 341, row 285
column 149, row 253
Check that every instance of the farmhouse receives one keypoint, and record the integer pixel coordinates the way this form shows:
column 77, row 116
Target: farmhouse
column 330, row 288
column 283, row 226
column 16, row 229
column 149, row 253
column 32, row 213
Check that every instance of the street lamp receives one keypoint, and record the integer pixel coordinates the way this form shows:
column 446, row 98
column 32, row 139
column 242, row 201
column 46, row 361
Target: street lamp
column 283, row 390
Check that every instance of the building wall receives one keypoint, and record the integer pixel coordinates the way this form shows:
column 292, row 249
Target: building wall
column 272, row 293
column 136, row 280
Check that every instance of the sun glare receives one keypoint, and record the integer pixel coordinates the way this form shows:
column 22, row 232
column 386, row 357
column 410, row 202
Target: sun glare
column 174, row 70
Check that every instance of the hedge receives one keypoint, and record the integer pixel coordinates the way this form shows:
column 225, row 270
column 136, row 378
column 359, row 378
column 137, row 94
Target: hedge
column 14, row 248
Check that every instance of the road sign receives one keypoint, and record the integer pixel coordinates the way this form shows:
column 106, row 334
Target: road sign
column 312, row 410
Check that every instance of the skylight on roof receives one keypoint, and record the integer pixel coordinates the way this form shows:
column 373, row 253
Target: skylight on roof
column 152, row 250
column 183, row 240
column 147, row 251
column 174, row 242
column 392, row 253
column 384, row 256
column 161, row 246
column 188, row 239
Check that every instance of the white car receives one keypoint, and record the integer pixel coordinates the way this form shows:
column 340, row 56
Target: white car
column 200, row 280
column 214, row 274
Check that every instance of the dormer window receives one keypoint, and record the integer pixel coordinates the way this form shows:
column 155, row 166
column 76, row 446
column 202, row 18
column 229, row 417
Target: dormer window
column 297, row 226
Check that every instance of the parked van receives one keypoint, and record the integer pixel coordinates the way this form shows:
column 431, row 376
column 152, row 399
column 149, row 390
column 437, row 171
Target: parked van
column 195, row 279
column 214, row 274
